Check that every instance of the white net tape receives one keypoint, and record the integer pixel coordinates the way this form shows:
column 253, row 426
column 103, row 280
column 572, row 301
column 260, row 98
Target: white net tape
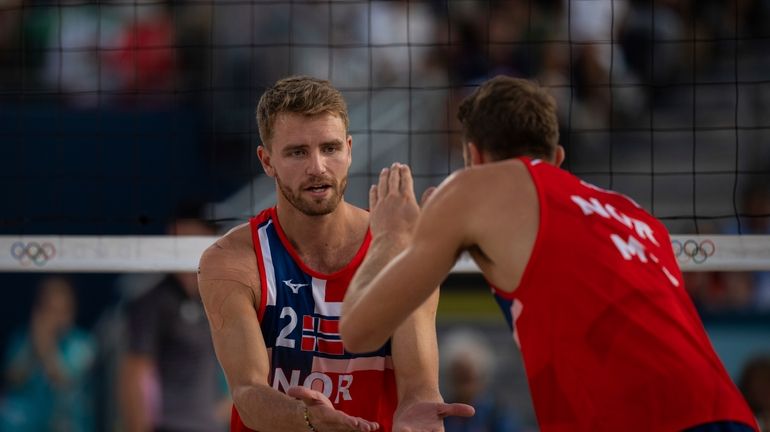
column 144, row 254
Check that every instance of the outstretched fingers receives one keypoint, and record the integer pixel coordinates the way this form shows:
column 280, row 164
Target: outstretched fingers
column 373, row 197
column 455, row 410
column 406, row 186
column 325, row 417
column 382, row 184
column 394, row 179
column 364, row 425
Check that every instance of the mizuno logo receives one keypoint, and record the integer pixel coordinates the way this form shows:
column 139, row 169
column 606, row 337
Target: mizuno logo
column 294, row 286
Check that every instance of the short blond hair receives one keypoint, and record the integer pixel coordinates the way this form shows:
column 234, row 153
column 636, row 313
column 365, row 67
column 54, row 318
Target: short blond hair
column 298, row 95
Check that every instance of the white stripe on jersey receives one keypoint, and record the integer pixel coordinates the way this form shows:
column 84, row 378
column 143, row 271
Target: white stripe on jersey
column 328, row 365
column 267, row 259
column 322, row 307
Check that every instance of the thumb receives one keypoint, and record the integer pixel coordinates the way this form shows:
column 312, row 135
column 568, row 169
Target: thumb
column 373, row 197
column 455, row 409
column 426, row 195
column 307, row 396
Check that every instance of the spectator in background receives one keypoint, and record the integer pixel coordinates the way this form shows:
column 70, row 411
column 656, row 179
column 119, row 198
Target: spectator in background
column 47, row 367
column 394, row 26
column 468, row 365
column 10, row 18
column 145, row 60
column 751, row 288
column 757, row 207
column 644, row 26
column 169, row 377
column 755, row 385
column 715, row 292
column 720, row 292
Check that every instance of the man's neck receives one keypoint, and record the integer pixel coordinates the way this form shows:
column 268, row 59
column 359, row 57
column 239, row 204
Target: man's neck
column 325, row 243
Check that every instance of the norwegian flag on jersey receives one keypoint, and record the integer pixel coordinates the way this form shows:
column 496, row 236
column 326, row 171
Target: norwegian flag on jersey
column 321, row 331
column 321, row 334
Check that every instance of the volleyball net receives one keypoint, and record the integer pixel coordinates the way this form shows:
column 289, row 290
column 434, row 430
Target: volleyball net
column 137, row 254
column 112, row 113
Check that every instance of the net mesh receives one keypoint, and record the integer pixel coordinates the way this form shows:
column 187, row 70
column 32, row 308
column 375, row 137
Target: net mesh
column 113, row 113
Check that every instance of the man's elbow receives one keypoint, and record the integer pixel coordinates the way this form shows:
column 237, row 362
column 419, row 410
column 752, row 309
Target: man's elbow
column 357, row 339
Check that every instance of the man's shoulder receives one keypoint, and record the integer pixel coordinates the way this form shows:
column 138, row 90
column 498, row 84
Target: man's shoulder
column 484, row 181
column 230, row 258
column 231, row 245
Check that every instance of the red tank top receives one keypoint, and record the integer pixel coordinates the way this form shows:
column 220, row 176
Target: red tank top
column 609, row 337
column 299, row 319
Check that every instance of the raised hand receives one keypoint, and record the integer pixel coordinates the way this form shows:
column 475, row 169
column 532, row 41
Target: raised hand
column 324, row 417
column 392, row 203
column 428, row 416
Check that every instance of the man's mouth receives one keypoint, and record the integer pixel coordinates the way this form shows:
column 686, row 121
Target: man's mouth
column 318, row 188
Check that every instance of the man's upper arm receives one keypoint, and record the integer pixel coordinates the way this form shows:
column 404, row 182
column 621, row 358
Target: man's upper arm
column 442, row 229
column 229, row 288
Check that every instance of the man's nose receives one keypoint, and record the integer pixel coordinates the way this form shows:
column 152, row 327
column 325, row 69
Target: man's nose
column 316, row 164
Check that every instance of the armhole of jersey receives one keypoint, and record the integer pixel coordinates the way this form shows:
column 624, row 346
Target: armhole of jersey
column 541, row 227
column 263, row 291
column 361, row 253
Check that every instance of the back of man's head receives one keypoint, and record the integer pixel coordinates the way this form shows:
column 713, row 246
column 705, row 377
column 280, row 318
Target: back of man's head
column 510, row 117
column 298, row 95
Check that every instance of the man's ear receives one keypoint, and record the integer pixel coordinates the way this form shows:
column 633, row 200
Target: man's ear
column 559, row 156
column 475, row 156
column 349, row 143
column 264, row 157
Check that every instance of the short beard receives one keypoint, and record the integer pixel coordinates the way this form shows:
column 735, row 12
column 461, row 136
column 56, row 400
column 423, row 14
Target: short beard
column 314, row 207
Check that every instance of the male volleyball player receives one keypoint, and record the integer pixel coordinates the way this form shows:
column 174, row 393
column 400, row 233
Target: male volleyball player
column 273, row 289
column 584, row 276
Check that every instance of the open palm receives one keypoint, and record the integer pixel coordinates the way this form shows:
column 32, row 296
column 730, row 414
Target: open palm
column 327, row 419
column 428, row 416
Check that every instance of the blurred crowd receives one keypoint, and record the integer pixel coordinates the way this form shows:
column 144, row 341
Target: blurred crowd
column 146, row 365
column 641, row 49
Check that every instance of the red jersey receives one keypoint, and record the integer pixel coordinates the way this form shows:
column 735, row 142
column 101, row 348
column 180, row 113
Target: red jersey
column 299, row 318
column 608, row 334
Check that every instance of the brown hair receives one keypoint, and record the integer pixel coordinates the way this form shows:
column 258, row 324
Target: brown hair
column 299, row 95
column 510, row 117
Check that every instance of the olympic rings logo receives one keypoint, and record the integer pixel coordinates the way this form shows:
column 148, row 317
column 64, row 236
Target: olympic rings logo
column 33, row 253
column 693, row 250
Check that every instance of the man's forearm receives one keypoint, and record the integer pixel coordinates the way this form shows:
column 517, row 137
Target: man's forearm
column 381, row 252
column 415, row 355
column 265, row 409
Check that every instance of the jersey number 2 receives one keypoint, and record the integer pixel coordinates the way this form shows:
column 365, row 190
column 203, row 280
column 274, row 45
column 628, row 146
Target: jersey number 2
column 283, row 339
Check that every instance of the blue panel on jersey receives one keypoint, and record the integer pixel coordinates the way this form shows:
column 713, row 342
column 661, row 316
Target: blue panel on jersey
column 505, row 306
